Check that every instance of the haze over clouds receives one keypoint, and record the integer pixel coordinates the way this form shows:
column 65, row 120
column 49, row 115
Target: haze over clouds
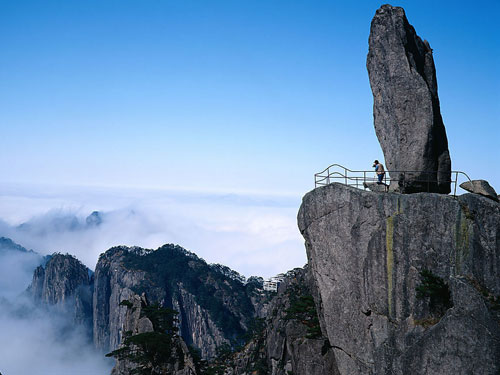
column 253, row 234
column 38, row 340
column 36, row 344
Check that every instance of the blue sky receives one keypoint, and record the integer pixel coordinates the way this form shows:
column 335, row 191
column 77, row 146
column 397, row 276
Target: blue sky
column 224, row 95
column 208, row 119
column 202, row 123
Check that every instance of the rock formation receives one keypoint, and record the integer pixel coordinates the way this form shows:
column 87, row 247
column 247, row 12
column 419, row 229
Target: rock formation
column 213, row 308
column 377, row 257
column 7, row 245
column 288, row 339
column 294, row 342
column 64, row 282
column 94, row 219
column 136, row 322
column 406, row 110
column 481, row 187
column 112, row 284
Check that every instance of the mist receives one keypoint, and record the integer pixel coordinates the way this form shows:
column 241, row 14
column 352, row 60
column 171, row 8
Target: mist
column 35, row 339
column 16, row 271
column 251, row 233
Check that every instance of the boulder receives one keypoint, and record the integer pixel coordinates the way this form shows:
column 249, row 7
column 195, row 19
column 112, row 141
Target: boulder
column 480, row 187
column 406, row 109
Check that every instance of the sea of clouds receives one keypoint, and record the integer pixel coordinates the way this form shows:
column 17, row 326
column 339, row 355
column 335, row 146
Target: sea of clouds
column 254, row 234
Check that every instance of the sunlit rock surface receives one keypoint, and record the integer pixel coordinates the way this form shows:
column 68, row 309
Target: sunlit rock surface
column 406, row 109
column 366, row 251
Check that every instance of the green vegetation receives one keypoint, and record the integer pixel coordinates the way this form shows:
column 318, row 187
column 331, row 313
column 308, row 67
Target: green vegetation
column 436, row 291
column 127, row 303
column 259, row 367
column 196, row 356
column 303, row 309
column 255, row 330
column 256, row 363
column 217, row 366
column 151, row 351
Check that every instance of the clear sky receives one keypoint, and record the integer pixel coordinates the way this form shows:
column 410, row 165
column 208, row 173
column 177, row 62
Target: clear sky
column 202, row 123
column 224, row 95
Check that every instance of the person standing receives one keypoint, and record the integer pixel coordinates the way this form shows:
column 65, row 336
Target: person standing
column 379, row 170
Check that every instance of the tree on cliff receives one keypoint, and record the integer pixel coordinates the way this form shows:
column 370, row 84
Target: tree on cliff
column 150, row 351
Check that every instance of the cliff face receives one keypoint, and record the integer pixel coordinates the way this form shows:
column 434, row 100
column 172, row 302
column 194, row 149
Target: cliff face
column 196, row 325
column 112, row 284
column 294, row 342
column 64, row 282
column 371, row 254
column 136, row 322
column 214, row 309
column 288, row 340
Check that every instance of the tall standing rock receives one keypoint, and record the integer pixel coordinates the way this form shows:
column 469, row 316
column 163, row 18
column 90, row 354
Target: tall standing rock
column 406, row 110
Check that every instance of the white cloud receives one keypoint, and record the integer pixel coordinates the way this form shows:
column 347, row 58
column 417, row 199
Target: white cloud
column 253, row 234
column 36, row 346
column 35, row 340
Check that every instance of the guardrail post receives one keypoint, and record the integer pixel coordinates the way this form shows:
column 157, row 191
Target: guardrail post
column 456, row 183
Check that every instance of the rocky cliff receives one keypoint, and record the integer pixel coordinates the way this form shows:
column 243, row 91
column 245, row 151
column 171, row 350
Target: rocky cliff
column 112, row 284
column 64, row 282
column 294, row 341
column 149, row 349
column 214, row 309
column 406, row 108
column 407, row 284
column 288, row 340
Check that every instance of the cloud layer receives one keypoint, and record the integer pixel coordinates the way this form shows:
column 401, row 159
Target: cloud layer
column 38, row 340
column 253, row 234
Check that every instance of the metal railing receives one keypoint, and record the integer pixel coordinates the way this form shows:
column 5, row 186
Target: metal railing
column 360, row 179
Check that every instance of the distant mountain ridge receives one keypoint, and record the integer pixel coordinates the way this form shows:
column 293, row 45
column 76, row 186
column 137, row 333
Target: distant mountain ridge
column 6, row 244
